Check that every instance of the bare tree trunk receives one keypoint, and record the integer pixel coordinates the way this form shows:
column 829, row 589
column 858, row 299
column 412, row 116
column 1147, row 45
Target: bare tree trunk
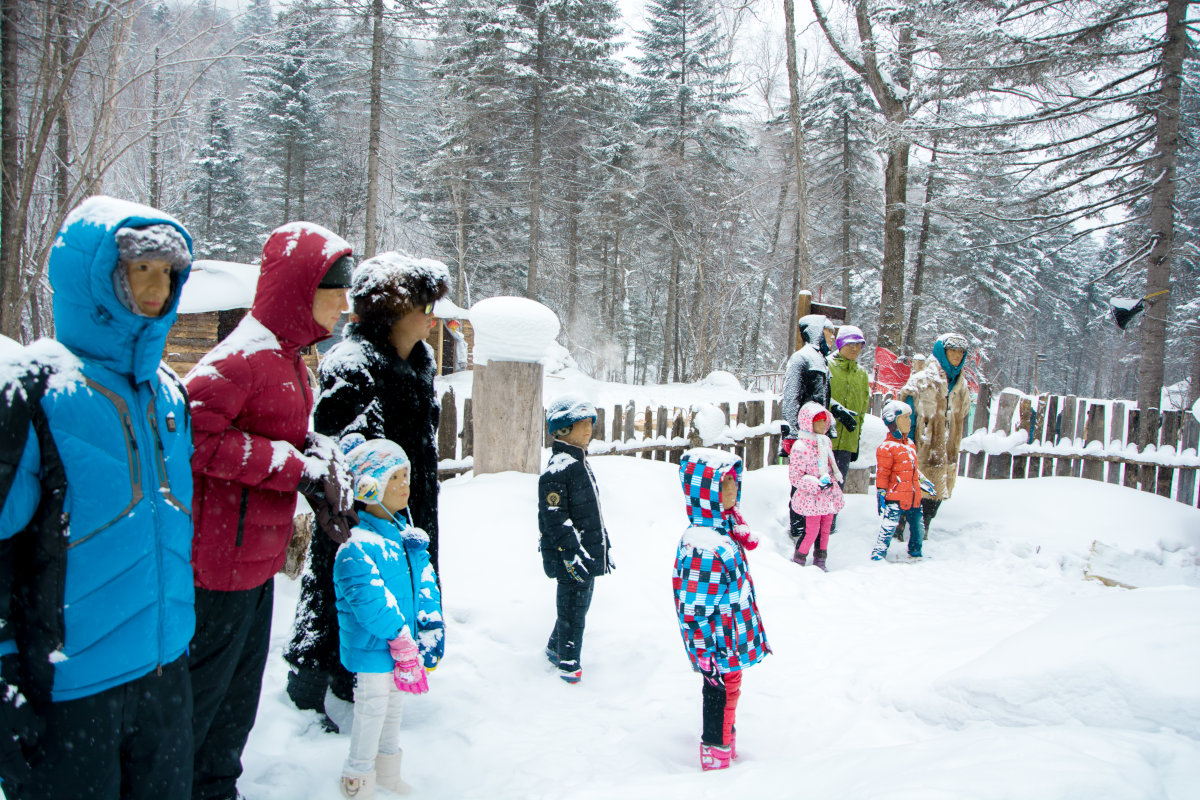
column 287, row 185
column 914, row 312
column 847, row 299
column 155, row 179
column 10, row 238
column 1162, row 209
column 801, row 264
column 572, row 255
column 535, row 182
column 670, row 322
column 460, row 218
column 62, row 144
column 891, row 304
column 373, row 137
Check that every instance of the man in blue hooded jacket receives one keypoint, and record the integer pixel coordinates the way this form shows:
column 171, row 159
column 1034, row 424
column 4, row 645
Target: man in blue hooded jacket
column 96, row 599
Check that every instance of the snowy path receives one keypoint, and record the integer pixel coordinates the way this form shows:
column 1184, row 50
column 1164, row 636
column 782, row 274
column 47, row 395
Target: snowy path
column 893, row 680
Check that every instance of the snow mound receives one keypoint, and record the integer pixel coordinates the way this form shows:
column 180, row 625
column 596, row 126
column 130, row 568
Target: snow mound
column 709, row 422
column 218, row 286
column 512, row 329
column 720, row 379
column 872, row 435
column 1119, row 660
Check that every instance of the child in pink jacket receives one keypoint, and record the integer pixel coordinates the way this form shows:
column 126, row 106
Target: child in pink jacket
column 815, row 475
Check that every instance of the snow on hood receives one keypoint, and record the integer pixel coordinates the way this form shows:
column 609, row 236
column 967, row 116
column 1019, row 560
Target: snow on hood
column 700, row 472
column 294, row 259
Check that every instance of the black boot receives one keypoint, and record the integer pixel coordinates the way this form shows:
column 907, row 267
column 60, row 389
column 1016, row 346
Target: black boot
column 306, row 688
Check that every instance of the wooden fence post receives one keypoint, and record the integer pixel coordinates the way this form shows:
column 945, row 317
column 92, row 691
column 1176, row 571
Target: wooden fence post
column 1094, row 470
column 468, row 430
column 1080, row 434
column 1039, row 435
column 629, row 429
column 877, row 403
column 1025, row 421
column 1187, row 477
column 743, row 414
column 754, row 447
column 618, row 423
column 983, row 417
column 1132, row 472
column 1148, row 427
column 1000, row 464
column 599, row 427
column 660, row 430
column 1116, row 433
column 1066, row 432
column 773, row 442
column 677, row 432
column 447, row 427
column 1049, row 435
column 648, row 430
column 1169, row 435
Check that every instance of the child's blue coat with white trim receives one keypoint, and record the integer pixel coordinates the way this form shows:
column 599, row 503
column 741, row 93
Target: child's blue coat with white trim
column 384, row 582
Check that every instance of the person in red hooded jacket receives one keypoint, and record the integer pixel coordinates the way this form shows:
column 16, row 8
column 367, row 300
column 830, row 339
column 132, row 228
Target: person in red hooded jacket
column 250, row 401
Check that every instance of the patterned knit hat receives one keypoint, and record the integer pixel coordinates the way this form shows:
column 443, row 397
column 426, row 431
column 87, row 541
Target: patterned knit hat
column 371, row 464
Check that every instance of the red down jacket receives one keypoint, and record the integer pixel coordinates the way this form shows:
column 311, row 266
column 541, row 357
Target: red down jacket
column 250, row 403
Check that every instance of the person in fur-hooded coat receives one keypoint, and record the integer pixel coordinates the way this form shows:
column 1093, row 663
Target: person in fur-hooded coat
column 941, row 401
column 378, row 382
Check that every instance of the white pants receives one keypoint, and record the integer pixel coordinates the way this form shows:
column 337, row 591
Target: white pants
column 377, row 711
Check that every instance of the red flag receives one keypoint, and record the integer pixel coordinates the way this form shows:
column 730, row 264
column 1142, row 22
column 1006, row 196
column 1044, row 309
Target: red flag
column 890, row 372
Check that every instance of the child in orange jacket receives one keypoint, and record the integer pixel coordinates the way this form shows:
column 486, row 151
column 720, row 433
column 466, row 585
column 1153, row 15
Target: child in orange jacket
column 898, row 482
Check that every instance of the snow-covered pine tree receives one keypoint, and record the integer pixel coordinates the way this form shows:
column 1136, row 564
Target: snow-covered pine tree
column 684, row 98
column 219, row 212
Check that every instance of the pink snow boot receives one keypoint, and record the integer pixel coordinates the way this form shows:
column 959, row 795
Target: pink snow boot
column 714, row 756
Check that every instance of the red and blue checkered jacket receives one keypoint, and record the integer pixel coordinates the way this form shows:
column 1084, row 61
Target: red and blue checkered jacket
column 714, row 594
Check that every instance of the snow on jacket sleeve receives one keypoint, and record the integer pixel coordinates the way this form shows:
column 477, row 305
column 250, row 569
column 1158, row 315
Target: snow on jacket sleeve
column 218, row 394
column 883, row 467
column 348, row 403
column 791, row 392
column 430, row 627
column 372, row 603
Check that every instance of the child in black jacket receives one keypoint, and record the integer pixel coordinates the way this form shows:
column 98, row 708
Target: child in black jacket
column 574, row 543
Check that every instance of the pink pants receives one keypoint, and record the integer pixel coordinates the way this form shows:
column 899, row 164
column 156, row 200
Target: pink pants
column 813, row 525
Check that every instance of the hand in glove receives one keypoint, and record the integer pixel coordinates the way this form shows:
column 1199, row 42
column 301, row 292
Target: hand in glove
column 848, row 418
column 825, row 482
column 786, row 446
column 409, row 672
column 708, row 668
column 882, row 496
column 741, row 531
column 574, row 566
column 18, row 726
column 327, row 486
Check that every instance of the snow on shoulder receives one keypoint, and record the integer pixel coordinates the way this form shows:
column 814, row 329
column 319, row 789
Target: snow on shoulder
column 218, row 286
column 512, row 329
column 64, row 368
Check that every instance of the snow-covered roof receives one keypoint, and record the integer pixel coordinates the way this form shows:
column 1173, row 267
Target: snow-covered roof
column 446, row 309
column 218, row 286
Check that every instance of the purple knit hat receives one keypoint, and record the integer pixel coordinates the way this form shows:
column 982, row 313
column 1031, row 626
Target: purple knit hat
column 849, row 334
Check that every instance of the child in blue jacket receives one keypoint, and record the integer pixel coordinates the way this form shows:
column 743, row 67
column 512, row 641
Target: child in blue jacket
column 389, row 613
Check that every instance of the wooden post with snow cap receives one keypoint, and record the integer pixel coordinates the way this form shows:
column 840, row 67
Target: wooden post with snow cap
column 1187, row 477
column 1094, row 470
column 999, row 465
column 1168, row 437
column 511, row 337
column 1116, row 433
column 1066, row 433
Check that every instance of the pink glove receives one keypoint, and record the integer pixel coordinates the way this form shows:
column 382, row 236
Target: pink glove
column 409, row 672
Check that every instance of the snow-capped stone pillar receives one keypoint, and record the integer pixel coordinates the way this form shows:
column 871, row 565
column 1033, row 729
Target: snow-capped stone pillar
column 511, row 337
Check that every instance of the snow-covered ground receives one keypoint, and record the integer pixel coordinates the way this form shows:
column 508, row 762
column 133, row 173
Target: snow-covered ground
column 990, row 670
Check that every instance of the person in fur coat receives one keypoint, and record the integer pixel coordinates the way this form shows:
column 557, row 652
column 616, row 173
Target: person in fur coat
column 940, row 400
column 377, row 382
column 815, row 477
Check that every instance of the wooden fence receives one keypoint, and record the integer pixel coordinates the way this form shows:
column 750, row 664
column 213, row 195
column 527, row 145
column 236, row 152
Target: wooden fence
column 662, row 434
column 1072, row 436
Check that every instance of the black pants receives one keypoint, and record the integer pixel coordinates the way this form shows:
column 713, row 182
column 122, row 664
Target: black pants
column 314, row 648
column 228, row 656
column 796, row 523
column 929, row 509
column 566, row 639
column 131, row 742
column 719, row 709
column 842, row 459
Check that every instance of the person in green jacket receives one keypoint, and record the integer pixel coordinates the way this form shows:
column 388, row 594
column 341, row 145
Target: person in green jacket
column 848, row 385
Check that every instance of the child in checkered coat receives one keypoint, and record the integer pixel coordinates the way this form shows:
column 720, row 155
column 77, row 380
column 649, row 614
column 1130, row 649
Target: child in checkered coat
column 714, row 595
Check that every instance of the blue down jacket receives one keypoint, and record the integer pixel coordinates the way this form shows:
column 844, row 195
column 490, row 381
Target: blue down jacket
column 96, row 512
column 384, row 582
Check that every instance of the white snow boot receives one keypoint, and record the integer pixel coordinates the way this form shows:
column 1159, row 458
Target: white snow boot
column 357, row 787
column 387, row 772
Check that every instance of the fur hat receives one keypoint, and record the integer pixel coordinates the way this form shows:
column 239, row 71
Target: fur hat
column 371, row 464
column 389, row 285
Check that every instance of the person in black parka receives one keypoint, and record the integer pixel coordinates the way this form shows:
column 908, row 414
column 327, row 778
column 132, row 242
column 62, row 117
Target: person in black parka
column 573, row 542
column 378, row 381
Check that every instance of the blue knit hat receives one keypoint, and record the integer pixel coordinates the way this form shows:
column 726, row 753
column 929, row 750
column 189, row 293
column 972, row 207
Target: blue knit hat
column 371, row 464
column 565, row 410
